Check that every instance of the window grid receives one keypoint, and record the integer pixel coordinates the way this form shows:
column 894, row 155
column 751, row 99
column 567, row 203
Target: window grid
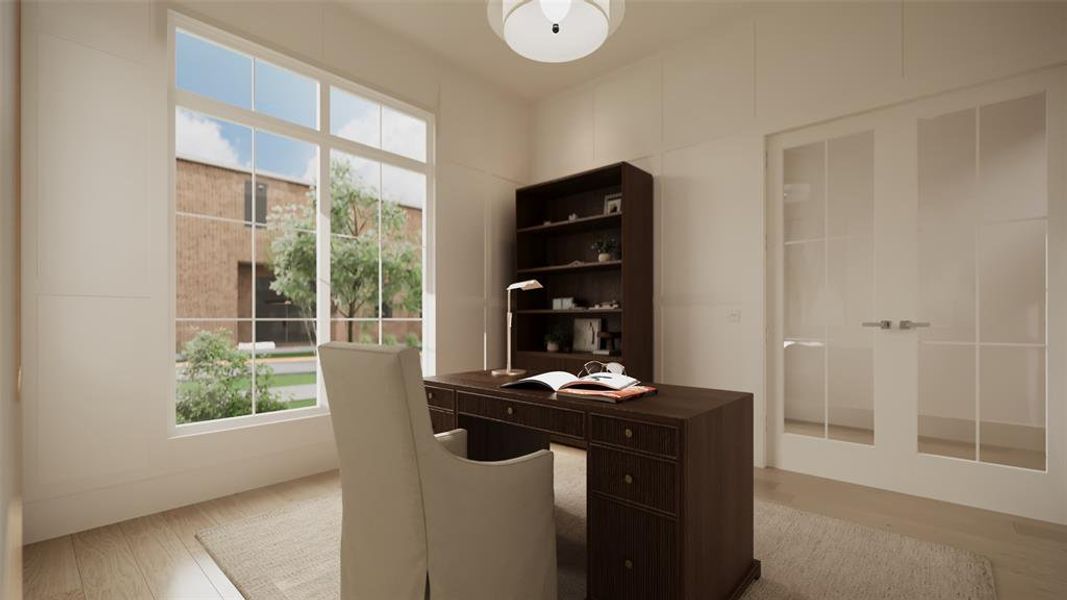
column 325, row 143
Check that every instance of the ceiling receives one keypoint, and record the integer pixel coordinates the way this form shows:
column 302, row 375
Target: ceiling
column 458, row 30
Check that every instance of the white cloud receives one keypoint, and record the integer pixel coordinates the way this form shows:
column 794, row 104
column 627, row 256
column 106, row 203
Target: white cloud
column 403, row 134
column 404, row 187
column 311, row 171
column 201, row 137
column 363, row 129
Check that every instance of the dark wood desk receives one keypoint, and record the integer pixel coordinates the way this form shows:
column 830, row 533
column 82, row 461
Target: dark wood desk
column 669, row 478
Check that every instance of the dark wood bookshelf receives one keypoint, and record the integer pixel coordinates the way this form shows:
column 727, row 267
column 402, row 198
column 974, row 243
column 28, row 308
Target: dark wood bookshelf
column 557, row 251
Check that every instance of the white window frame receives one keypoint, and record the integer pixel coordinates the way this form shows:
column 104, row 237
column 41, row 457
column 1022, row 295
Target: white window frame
column 321, row 137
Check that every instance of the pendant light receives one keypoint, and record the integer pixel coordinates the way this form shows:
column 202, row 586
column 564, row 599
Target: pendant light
column 555, row 31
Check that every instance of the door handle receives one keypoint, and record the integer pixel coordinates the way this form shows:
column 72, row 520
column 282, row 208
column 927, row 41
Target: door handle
column 906, row 324
column 883, row 324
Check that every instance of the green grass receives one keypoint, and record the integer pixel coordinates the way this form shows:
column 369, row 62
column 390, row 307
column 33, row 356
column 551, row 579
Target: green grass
column 288, row 379
column 281, row 381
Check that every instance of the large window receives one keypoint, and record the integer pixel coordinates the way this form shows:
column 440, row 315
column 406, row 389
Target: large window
column 300, row 204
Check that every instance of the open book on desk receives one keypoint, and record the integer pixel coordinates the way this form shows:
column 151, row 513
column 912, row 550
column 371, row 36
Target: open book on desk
column 605, row 387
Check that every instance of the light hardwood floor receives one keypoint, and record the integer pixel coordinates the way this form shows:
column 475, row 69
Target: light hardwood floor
column 158, row 556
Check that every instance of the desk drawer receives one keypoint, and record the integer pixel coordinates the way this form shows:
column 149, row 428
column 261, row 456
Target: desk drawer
column 636, row 553
column 552, row 420
column 441, row 397
column 655, row 439
column 442, row 420
column 647, row 481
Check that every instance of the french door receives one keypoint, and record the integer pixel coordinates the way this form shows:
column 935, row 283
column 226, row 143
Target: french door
column 917, row 289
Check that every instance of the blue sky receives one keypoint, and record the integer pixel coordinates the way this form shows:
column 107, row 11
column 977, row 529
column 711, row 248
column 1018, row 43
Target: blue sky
column 225, row 75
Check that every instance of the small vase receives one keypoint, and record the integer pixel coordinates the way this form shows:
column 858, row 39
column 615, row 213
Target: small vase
column 603, row 257
column 552, row 346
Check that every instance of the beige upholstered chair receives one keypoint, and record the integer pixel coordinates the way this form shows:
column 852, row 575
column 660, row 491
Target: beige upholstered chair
column 417, row 513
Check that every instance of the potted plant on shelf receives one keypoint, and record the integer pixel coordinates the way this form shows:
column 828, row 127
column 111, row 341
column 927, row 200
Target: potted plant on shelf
column 605, row 248
column 555, row 338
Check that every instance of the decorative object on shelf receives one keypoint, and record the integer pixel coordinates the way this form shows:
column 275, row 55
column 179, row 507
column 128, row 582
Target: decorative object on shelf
column 556, row 338
column 608, row 343
column 529, row 284
column 554, row 31
column 563, row 303
column 613, row 204
column 612, row 304
column 572, row 217
column 586, row 334
column 605, row 248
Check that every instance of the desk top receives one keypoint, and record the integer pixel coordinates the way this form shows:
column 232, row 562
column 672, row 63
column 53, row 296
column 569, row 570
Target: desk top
column 671, row 403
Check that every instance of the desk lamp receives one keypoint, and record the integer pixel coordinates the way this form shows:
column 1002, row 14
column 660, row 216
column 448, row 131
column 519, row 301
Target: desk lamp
column 529, row 284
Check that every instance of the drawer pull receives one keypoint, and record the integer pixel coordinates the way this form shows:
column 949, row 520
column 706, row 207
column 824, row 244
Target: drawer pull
column 629, row 433
column 628, row 479
column 430, row 396
column 511, row 410
column 629, row 564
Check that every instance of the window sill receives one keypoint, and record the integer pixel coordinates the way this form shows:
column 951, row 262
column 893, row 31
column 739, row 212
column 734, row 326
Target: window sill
column 247, row 421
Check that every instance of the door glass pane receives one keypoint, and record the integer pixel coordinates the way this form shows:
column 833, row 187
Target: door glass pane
column 1012, row 275
column 355, row 118
column 1013, row 406
column 805, row 290
column 403, row 134
column 212, row 70
column 850, row 185
column 805, row 388
column 850, row 287
column 946, row 399
column 982, row 261
column 283, row 94
column 850, row 383
column 947, row 220
column 1014, row 179
column 803, row 192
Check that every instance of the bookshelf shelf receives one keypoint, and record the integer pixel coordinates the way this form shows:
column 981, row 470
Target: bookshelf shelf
column 569, row 311
column 585, row 266
column 580, row 224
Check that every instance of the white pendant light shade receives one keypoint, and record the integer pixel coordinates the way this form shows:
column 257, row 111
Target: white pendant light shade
column 554, row 31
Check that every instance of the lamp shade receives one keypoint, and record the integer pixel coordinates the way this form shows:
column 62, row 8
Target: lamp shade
column 529, row 284
column 554, row 31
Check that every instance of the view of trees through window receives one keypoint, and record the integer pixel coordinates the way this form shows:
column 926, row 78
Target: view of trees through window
column 251, row 269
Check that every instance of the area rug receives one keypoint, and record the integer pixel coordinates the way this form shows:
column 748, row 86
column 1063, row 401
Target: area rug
column 293, row 553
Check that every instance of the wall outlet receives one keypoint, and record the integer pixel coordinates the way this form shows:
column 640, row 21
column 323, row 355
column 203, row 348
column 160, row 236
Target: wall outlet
column 734, row 316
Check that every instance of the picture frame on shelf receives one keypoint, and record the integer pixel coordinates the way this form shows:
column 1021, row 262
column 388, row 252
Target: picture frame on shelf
column 587, row 334
column 613, row 204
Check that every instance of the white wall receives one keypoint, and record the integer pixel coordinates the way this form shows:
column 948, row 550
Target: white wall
column 696, row 116
column 10, row 467
column 96, row 289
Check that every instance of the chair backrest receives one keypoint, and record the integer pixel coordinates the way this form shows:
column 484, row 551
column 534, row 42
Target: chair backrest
column 374, row 392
